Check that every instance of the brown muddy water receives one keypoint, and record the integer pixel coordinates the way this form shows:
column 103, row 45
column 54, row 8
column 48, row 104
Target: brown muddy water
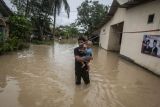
column 43, row 76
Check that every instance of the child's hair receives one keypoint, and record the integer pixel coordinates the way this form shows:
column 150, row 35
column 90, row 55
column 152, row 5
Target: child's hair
column 89, row 43
column 81, row 39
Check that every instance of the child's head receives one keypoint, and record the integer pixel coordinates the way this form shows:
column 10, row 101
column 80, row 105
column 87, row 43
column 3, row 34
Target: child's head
column 89, row 44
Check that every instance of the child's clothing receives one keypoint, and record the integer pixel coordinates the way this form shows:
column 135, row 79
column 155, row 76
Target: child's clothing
column 89, row 52
column 86, row 58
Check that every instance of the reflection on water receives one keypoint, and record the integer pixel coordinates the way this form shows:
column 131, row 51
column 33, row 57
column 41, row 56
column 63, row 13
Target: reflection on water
column 43, row 76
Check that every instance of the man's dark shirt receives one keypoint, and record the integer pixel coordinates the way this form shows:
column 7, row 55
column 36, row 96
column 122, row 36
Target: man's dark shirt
column 78, row 52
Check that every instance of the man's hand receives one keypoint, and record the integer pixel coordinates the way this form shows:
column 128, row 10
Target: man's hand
column 78, row 58
column 91, row 58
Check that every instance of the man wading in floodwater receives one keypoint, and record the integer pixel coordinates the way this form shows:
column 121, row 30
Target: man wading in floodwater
column 80, row 72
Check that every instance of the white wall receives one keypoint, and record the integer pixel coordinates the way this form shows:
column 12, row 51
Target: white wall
column 104, row 36
column 136, row 20
column 113, row 43
column 118, row 17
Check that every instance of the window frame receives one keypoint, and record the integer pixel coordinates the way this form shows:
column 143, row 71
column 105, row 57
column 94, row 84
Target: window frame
column 150, row 21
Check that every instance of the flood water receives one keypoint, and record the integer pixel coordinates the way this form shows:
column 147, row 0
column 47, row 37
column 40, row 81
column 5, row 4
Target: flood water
column 43, row 76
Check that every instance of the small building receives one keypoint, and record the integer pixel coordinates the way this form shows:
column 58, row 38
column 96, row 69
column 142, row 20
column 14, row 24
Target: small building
column 133, row 30
column 5, row 12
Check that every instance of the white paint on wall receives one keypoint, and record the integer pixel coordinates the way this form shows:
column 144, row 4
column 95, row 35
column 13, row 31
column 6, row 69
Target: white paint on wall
column 135, row 19
column 117, row 18
column 104, row 36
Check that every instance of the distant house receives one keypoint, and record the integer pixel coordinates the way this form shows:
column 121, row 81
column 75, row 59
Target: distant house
column 127, row 25
column 5, row 12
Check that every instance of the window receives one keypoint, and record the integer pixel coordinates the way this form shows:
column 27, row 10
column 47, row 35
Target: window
column 150, row 18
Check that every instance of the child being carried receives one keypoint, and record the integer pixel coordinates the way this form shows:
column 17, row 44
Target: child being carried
column 88, row 55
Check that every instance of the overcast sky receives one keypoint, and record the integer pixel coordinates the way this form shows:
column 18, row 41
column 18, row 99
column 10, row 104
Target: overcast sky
column 62, row 19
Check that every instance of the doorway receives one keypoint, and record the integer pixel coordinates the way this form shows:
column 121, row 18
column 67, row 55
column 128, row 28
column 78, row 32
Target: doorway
column 115, row 37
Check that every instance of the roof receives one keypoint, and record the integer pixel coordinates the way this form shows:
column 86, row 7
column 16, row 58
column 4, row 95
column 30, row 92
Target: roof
column 111, row 13
column 4, row 9
column 133, row 3
column 113, row 8
column 115, row 5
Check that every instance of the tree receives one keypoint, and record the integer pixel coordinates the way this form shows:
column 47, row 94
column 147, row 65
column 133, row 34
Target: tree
column 21, row 5
column 57, row 8
column 20, row 27
column 67, row 31
column 28, row 7
column 38, row 11
column 90, row 14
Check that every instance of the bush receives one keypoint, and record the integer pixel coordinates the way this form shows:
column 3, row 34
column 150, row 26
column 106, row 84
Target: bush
column 20, row 30
column 6, row 47
column 20, row 27
column 13, row 44
column 1, row 48
column 22, row 45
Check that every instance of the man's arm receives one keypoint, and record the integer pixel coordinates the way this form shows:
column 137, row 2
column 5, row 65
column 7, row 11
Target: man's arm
column 83, row 59
column 78, row 58
column 76, row 55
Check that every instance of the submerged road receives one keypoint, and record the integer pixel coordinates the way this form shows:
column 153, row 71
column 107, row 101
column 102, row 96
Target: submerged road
column 43, row 76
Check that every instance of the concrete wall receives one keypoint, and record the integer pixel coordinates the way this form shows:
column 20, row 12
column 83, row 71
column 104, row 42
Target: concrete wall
column 136, row 20
column 105, row 31
column 113, row 43
column 115, row 37
column 104, row 36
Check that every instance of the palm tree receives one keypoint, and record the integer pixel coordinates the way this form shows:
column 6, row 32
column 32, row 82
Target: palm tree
column 57, row 6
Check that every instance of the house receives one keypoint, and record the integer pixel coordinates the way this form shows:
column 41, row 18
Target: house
column 127, row 29
column 5, row 12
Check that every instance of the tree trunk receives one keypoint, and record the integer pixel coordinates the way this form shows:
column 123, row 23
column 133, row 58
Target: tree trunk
column 27, row 8
column 54, row 23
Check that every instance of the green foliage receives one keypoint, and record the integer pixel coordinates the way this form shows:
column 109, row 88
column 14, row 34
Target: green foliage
column 6, row 47
column 32, row 7
column 39, row 12
column 67, row 31
column 12, row 44
column 20, row 27
column 90, row 15
column 57, row 8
